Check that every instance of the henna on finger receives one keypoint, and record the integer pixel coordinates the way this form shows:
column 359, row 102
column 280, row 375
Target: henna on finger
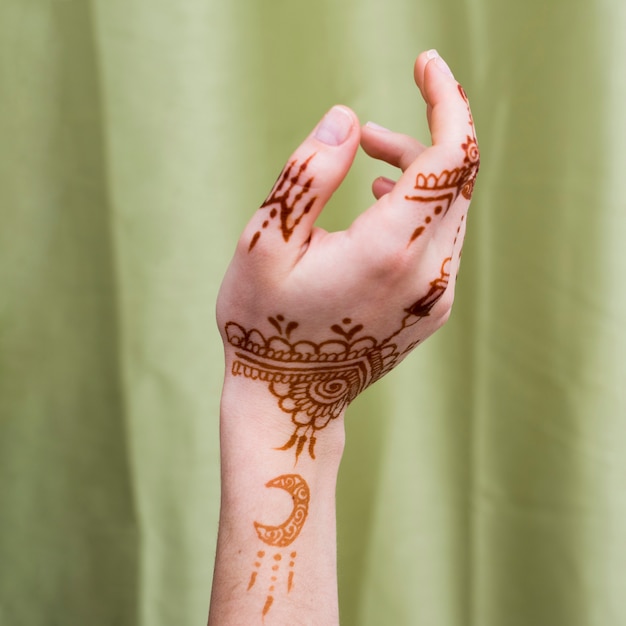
column 289, row 206
column 439, row 191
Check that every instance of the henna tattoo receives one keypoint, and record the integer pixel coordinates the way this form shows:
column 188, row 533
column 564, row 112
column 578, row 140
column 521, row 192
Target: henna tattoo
column 257, row 564
column 472, row 153
column 274, row 578
column 422, row 307
column 439, row 191
column 285, row 203
column 281, row 536
column 312, row 382
column 290, row 574
column 472, row 161
column 285, row 533
column 315, row 382
column 458, row 232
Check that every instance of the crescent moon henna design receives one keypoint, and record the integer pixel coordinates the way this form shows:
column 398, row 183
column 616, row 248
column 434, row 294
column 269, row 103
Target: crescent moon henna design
column 439, row 191
column 285, row 534
column 284, row 202
column 282, row 536
column 313, row 382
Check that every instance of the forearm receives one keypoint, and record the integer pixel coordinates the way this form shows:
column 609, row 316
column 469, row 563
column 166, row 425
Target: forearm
column 276, row 554
column 309, row 319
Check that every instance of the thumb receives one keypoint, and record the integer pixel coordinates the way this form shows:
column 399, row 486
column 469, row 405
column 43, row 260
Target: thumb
column 310, row 177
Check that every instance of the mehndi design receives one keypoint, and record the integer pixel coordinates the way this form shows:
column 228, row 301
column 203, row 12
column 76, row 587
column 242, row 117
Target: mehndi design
column 288, row 205
column 281, row 536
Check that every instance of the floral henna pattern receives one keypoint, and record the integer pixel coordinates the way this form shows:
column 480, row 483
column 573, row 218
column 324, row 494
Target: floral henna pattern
column 439, row 191
column 312, row 382
column 315, row 382
column 289, row 201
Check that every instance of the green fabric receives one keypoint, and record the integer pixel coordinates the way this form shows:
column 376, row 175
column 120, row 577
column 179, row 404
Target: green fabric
column 483, row 482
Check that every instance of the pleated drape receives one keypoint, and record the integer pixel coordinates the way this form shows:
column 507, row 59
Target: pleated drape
column 483, row 481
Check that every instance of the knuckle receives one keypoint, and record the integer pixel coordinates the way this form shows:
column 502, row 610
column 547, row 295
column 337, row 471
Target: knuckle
column 393, row 261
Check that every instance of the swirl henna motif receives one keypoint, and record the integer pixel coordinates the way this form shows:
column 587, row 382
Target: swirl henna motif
column 285, row 202
column 313, row 383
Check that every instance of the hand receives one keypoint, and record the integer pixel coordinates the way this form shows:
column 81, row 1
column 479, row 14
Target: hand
column 315, row 317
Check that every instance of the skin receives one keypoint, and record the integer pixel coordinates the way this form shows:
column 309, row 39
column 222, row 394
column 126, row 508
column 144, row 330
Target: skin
column 294, row 285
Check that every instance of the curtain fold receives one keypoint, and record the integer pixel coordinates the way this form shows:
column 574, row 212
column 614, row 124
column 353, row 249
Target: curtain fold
column 482, row 483
column 68, row 522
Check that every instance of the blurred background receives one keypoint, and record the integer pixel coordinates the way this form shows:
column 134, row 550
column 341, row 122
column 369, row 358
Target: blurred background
column 484, row 481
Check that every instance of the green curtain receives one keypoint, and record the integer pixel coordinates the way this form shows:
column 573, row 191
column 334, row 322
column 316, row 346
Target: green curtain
column 483, row 481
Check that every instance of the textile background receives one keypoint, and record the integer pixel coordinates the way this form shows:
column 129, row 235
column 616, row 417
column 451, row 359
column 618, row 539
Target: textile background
column 483, row 482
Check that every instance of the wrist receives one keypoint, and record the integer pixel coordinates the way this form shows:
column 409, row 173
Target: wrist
column 276, row 553
column 277, row 518
column 284, row 405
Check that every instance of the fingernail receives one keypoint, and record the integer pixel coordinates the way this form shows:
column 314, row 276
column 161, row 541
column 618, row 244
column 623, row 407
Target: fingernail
column 334, row 127
column 375, row 126
column 439, row 63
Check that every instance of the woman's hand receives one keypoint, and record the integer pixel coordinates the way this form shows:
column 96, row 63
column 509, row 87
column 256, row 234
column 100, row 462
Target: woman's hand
column 315, row 317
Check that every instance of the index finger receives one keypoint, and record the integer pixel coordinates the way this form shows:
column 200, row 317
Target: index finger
column 432, row 196
column 448, row 168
